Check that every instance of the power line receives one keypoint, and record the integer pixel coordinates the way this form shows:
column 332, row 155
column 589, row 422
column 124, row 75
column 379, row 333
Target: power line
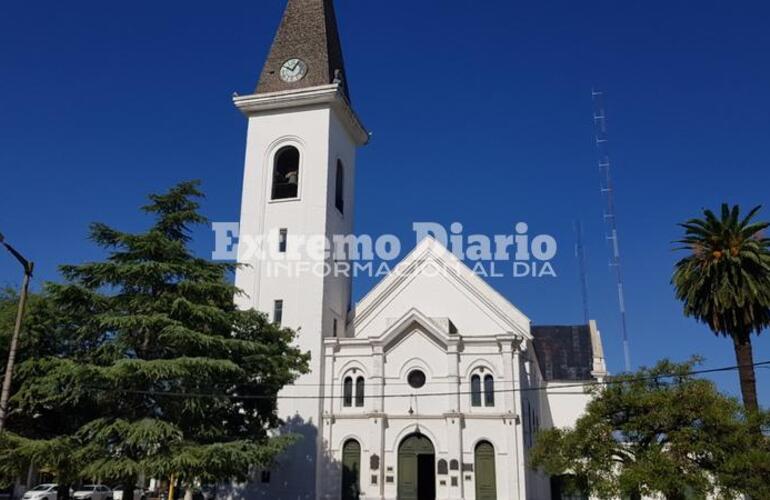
column 587, row 383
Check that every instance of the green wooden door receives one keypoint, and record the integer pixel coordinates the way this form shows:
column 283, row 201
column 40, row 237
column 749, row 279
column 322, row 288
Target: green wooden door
column 407, row 476
column 486, row 486
column 351, row 470
column 412, row 482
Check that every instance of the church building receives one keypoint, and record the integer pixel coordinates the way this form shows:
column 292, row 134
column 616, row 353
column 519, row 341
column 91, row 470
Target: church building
column 433, row 385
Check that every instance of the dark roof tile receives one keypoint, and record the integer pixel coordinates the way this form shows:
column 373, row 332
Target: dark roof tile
column 564, row 352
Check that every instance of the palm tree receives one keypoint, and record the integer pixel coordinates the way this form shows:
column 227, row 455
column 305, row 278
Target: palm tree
column 725, row 283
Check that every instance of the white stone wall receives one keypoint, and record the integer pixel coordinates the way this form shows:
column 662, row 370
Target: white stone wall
column 310, row 302
column 447, row 419
column 437, row 317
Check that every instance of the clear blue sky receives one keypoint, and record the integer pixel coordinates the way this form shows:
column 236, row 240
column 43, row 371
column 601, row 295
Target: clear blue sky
column 481, row 113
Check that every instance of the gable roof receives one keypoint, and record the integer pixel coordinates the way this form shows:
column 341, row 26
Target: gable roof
column 430, row 252
column 308, row 31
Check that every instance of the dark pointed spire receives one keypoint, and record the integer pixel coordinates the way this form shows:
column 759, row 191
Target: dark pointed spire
column 308, row 32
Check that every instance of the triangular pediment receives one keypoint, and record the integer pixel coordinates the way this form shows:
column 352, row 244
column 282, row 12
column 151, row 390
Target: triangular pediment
column 435, row 282
column 412, row 321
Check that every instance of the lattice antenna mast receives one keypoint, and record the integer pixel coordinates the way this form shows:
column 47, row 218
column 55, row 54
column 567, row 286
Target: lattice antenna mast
column 581, row 259
column 600, row 129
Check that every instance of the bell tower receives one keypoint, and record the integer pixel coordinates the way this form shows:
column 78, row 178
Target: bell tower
column 299, row 184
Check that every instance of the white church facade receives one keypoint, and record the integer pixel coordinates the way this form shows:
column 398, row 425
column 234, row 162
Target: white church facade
column 430, row 387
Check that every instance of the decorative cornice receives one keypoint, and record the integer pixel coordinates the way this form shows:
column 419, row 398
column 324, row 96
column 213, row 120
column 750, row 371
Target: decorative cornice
column 417, row 417
column 330, row 95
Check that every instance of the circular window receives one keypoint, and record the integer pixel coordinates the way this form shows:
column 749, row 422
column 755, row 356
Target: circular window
column 416, row 378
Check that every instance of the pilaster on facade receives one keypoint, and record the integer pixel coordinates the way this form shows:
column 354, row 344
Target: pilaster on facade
column 454, row 432
column 378, row 377
column 453, row 376
column 518, row 445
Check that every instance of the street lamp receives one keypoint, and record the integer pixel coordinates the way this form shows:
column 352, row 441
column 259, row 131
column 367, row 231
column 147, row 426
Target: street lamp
column 28, row 267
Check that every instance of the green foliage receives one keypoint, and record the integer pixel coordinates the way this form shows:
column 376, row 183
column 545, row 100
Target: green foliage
column 8, row 304
column 51, row 455
column 147, row 366
column 725, row 280
column 8, row 307
column 660, row 431
column 31, row 338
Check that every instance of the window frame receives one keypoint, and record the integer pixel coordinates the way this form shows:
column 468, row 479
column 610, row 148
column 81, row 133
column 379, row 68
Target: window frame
column 488, row 387
column 359, row 391
column 272, row 173
column 347, row 392
column 476, row 400
column 416, row 372
column 278, row 311
column 339, row 187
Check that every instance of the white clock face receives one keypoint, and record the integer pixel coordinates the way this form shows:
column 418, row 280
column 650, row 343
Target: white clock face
column 293, row 70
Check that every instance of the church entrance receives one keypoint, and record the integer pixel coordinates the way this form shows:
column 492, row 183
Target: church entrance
column 416, row 469
column 486, row 484
column 351, row 470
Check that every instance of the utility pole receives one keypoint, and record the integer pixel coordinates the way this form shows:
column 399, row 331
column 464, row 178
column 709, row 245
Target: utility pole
column 6, row 394
column 610, row 219
column 581, row 259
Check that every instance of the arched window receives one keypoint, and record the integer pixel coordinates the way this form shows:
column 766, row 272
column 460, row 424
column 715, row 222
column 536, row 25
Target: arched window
column 475, row 390
column 347, row 392
column 360, row 391
column 286, row 173
column 351, row 470
column 489, row 390
column 339, row 188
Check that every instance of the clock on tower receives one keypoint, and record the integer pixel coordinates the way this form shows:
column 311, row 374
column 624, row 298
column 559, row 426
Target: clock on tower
column 293, row 70
column 299, row 177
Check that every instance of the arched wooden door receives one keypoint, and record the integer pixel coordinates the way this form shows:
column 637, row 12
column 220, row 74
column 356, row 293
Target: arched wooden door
column 486, row 484
column 416, row 469
column 351, row 470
